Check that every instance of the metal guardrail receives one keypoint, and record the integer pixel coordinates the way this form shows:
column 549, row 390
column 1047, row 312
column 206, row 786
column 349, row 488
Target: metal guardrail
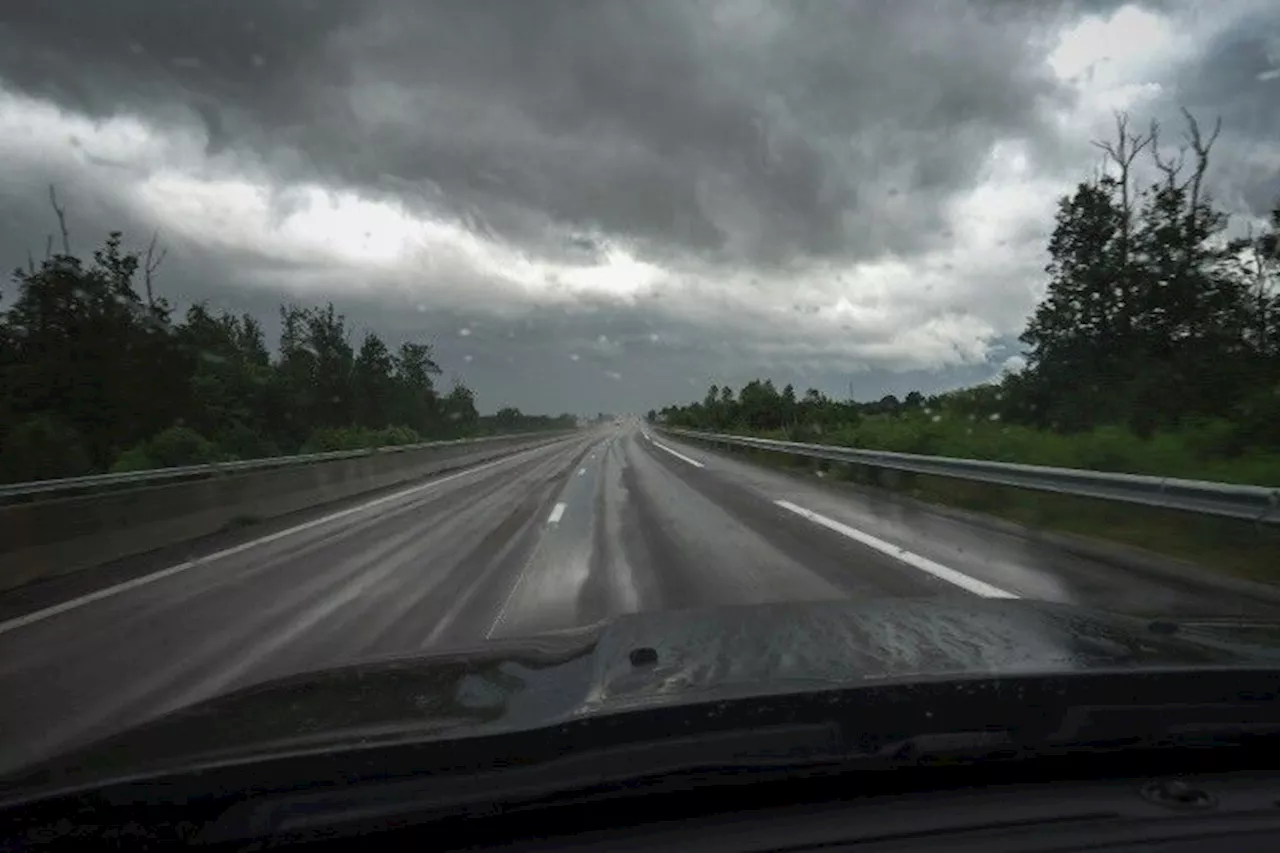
column 1255, row 503
column 9, row 491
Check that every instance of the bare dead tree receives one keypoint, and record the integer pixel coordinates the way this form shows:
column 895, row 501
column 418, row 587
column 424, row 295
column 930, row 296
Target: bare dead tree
column 61, row 213
column 1171, row 167
column 150, row 264
column 1196, row 223
column 1260, row 279
column 1264, row 268
column 1201, row 147
column 1122, row 152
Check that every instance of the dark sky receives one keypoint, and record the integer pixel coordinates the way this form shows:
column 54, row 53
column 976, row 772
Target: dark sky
column 611, row 205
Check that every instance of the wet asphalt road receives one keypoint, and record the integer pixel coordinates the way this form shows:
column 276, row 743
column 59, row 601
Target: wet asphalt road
column 608, row 521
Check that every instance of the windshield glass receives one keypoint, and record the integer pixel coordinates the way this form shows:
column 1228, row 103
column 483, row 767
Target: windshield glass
column 541, row 332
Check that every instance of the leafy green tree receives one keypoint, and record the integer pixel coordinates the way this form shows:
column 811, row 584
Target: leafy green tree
column 1076, row 332
column 373, row 383
column 94, row 375
column 460, row 413
column 760, row 405
column 788, row 407
column 329, row 343
column 415, row 400
column 1153, row 323
column 227, row 380
column 1147, row 320
column 83, row 347
column 509, row 419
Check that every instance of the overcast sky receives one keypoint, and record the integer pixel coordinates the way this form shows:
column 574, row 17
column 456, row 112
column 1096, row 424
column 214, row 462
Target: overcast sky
column 611, row 205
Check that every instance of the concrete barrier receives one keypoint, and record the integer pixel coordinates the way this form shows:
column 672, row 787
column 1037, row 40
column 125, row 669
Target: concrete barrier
column 70, row 534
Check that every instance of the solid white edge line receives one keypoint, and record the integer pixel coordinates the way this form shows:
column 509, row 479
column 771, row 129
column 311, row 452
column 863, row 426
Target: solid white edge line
column 694, row 462
column 912, row 559
column 107, row 592
column 557, row 512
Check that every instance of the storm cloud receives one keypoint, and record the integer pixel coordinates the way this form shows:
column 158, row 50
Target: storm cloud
column 616, row 199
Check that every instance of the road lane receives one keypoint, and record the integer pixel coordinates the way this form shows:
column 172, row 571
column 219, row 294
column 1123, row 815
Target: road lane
column 544, row 595
column 373, row 582
column 606, row 522
column 638, row 534
column 1022, row 564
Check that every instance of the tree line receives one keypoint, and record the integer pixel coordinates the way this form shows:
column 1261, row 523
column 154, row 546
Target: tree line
column 97, row 374
column 760, row 407
column 1153, row 321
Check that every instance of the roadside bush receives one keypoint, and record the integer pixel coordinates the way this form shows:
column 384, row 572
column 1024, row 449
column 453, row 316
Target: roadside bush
column 1212, row 438
column 329, row 439
column 240, row 441
column 1257, row 419
column 394, row 436
column 133, row 459
column 169, row 448
column 43, row 448
column 1211, row 448
column 180, row 445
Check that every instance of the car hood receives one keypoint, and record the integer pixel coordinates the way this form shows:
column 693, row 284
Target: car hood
column 648, row 660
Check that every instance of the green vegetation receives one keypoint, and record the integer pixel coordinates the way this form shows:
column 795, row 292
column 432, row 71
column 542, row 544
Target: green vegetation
column 964, row 424
column 1206, row 450
column 1156, row 350
column 97, row 376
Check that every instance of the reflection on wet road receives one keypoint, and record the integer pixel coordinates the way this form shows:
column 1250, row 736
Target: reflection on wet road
column 609, row 521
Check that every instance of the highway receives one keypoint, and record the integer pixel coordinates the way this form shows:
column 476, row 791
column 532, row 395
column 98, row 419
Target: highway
column 611, row 520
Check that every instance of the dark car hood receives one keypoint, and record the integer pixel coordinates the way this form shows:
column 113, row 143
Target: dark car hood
column 701, row 655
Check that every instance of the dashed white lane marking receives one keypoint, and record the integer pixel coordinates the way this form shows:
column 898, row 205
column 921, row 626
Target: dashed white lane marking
column 557, row 512
column 677, row 454
column 41, row 615
column 912, row 559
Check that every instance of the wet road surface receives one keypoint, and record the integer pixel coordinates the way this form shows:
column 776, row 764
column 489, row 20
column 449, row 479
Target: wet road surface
column 608, row 521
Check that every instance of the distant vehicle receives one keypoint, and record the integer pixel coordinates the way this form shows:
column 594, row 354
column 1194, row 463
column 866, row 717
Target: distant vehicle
column 917, row 721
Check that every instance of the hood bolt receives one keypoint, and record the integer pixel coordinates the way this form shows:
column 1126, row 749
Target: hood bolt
column 643, row 656
column 1176, row 794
